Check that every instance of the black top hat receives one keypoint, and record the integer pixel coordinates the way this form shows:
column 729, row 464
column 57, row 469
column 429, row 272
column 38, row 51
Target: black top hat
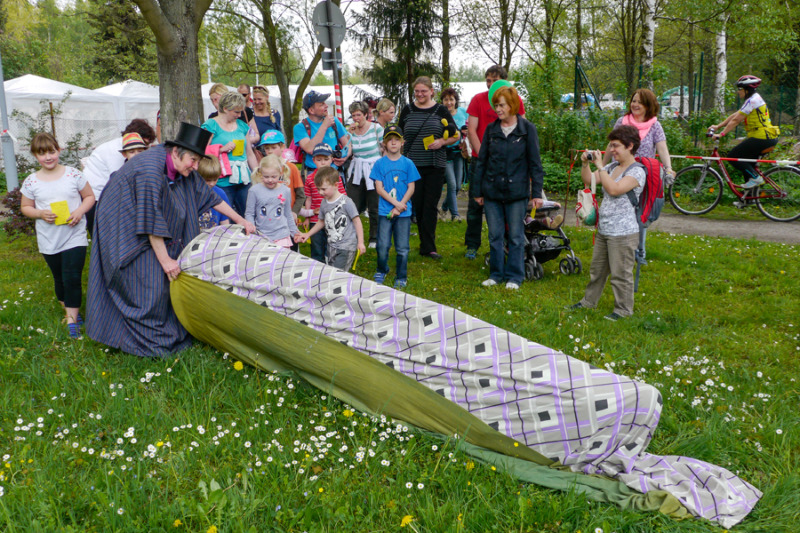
column 192, row 138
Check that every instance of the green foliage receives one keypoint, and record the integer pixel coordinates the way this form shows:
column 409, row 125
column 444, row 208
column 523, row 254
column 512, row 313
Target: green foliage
column 121, row 42
column 88, row 431
column 400, row 36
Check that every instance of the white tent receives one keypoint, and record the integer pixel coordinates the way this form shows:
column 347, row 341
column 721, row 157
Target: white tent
column 85, row 111
column 134, row 100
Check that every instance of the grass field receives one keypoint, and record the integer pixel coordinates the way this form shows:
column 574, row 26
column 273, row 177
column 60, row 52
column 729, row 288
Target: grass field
column 95, row 440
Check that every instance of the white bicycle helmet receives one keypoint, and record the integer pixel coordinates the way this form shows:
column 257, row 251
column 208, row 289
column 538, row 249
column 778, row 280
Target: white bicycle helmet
column 748, row 81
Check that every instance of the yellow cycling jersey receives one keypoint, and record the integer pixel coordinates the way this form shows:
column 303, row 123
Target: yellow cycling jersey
column 756, row 119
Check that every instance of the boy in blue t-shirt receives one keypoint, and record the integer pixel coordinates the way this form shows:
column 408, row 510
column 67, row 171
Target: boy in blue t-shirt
column 394, row 176
column 210, row 169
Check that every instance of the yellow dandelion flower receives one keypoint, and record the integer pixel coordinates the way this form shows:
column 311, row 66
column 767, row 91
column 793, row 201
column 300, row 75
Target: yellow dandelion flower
column 321, row 489
column 159, row 444
column 177, row 523
column 348, row 413
column 407, row 519
column 212, row 529
column 470, row 465
column 493, row 468
column 516, row 445
column 238, row 365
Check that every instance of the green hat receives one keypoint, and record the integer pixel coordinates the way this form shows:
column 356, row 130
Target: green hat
column 496, row 85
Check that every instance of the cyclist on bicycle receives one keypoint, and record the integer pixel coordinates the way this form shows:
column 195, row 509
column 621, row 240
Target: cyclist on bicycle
column 761, row 134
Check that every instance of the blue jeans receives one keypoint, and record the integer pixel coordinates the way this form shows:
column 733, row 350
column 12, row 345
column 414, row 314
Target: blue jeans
column 237, row 196
column 454, row 173
column 400, row 229
column 498, row 214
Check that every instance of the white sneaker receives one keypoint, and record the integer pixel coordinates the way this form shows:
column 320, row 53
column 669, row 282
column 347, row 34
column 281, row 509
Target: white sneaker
column 512, row 286
column 489, row 283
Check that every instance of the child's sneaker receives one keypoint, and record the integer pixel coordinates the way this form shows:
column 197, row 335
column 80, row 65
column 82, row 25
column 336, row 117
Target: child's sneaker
column 379, row 277
column 400, row 284
column 489, row 282
column 472, row 253
column 512, row 286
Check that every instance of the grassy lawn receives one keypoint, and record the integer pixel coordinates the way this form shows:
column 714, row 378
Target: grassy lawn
column 95, row 440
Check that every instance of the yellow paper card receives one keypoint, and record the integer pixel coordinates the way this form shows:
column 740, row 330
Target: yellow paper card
column 61, row 210
column 427, row 141
column 239, row 149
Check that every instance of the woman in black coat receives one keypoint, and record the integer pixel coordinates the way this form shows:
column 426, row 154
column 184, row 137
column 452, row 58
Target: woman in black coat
column 508, row 181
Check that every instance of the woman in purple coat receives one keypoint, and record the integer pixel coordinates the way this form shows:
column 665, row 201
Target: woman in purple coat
column 150, row 211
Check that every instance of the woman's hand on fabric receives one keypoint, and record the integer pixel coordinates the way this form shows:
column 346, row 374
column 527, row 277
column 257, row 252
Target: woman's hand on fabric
column 249, row 228
column 171, row 268
column 537, row 202
column 479, row 200
column 228, row 147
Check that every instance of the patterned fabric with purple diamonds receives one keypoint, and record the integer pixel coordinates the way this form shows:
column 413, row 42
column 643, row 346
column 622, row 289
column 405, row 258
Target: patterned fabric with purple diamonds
column 583, row 416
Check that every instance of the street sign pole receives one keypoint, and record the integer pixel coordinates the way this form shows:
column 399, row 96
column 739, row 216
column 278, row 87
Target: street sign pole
column 336, row 85
column 330, row 29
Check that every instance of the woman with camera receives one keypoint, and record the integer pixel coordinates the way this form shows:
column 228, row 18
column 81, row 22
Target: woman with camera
column 617, row 231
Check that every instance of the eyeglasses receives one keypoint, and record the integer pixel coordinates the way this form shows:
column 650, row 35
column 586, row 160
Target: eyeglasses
column 259, row 87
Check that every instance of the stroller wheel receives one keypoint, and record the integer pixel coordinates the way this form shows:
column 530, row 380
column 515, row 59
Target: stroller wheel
column 577, row 265
column 565, row 266
column 530, row 270
column 538, row 271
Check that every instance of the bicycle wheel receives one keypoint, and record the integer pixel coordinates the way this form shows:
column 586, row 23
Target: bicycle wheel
column 696, row 190
column 779, row 198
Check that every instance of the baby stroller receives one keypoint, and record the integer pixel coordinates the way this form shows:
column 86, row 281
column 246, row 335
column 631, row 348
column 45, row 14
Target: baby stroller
column 546, row 241
column 542, row 247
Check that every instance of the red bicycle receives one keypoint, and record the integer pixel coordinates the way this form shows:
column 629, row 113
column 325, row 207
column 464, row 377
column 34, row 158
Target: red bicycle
column 697, row 189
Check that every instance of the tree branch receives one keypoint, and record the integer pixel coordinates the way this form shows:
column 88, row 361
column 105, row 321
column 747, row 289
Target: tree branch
column 162, row 29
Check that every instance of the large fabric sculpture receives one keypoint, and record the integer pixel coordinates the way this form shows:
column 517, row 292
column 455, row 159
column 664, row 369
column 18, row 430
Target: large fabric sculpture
column 437, row 368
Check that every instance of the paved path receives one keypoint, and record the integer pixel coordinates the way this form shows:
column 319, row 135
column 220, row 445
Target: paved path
column 761, row 230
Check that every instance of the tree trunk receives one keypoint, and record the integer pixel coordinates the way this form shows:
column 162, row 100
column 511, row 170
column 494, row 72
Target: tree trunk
column 578, row 29
column 648, row 40
column 721, row 76
column 446, row 43
column 175, row 24
column 690, row 65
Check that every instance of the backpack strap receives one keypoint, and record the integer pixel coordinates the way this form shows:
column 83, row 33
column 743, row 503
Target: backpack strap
column 632, row 195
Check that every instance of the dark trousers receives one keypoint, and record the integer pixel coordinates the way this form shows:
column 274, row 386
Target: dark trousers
column 750, row 148
column 90, row 219
column 427, row 193
column 67, row 267
column 365, row 200
column 472, row 238
column 319, row 246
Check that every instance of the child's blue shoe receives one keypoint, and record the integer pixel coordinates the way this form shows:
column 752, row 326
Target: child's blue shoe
column 400, row 284
column 379, row 277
